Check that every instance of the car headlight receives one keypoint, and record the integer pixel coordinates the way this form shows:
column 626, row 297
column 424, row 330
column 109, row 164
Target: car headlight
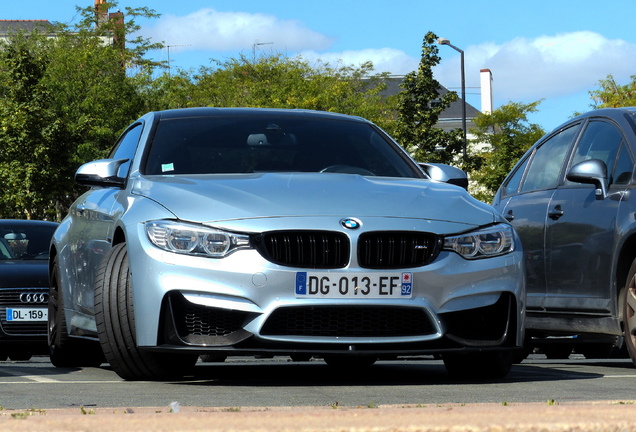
column 484, row 243
column 194, row 239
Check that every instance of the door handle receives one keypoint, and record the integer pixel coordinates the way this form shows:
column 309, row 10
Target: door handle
column 509, row 216
column 556, row 213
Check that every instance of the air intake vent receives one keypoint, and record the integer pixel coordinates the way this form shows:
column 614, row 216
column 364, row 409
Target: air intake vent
column 348, row 321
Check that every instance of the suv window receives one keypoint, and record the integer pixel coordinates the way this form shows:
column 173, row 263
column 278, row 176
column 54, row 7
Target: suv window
column 545, row 166
column 624, row 169
column 600, row 140
column 512, row 185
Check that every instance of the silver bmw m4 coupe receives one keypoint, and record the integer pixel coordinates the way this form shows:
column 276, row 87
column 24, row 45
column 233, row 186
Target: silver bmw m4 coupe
column 215, row 232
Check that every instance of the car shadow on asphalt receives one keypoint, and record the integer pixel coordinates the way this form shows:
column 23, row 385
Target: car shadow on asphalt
column 317, row 373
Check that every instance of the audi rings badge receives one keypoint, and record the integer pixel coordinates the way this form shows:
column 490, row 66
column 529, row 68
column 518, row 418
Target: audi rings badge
column 34, row 298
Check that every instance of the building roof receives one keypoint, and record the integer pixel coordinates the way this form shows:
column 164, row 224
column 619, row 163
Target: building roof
column 12, row 26
column 453, row 112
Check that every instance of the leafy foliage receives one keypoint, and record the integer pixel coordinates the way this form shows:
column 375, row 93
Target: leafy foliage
column 613, row 95
column 30, row 133
column 501, row 137
column 281, row 82
column 63, row 101
column 419, row 107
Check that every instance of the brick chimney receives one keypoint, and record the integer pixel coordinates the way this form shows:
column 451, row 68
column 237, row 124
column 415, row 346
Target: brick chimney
column 101, row 12
column 119, row 37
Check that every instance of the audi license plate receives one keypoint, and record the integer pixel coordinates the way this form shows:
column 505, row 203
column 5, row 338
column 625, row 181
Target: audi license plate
column 27, row 314
column 354, row 285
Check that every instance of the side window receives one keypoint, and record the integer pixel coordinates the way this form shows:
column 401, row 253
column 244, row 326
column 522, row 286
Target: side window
column 512, row 185
column 545, row 166
column 624, row 169
column 600, row 140
column 126, row 147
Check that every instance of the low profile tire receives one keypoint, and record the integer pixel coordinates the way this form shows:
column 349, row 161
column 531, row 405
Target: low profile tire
column 114, row 315
column 65, row 351
column 628, row 302
column 479, row 365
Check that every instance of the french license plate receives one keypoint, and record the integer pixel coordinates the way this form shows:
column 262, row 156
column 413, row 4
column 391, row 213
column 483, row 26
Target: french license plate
column 354, row 285
column 27, row 314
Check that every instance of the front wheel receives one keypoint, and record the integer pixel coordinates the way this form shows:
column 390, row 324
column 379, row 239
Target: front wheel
column 115, row 318
column 628, row 301
column 479, row 365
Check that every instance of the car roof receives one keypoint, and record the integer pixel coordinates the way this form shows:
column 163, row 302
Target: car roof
column 26, row 222
column 212, row 111
column 607, row 112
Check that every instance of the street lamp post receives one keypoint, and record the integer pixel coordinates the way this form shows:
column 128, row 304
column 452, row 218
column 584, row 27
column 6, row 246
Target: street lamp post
column 257, row 43
column 443, row 41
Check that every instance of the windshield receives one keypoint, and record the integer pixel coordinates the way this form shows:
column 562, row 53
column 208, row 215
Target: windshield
column 25, row 242
column 249, row 144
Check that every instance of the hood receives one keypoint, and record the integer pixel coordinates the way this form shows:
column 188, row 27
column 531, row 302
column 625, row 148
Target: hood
column 24, row 274
column 216, row 198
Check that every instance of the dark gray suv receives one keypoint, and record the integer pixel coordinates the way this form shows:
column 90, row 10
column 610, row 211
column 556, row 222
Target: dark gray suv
column 570, row 199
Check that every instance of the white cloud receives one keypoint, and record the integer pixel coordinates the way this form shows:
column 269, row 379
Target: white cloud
column 523, row 69
column 548, row 66
column 208, row 29
column 391, row 60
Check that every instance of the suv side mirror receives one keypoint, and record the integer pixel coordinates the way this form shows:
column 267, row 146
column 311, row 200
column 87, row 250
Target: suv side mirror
column 445, row 173
column 591, row 171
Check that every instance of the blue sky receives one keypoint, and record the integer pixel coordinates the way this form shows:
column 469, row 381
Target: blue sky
column 554, row 50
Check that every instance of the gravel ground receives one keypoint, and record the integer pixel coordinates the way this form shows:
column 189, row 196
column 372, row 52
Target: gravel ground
column 548, row 417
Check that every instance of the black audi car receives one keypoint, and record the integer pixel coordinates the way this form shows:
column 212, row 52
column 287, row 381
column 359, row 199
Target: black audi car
column 24, row 287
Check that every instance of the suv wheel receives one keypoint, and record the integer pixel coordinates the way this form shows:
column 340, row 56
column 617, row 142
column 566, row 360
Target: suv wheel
column 629, row 312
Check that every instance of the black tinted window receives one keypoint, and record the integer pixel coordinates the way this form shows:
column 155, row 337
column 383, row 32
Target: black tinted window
column 545, row 166
column 512, row 185
column 624, row 169
column 126, row 147
column 25, row 241
column 248, row 144
column 600, row 140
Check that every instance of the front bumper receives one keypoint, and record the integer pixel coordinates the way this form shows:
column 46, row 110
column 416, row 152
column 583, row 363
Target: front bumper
column 244, row 305
column 29, row 335
column 329, row 329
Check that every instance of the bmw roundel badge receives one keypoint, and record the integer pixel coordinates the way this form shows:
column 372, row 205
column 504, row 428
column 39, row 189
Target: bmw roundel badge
column 350, row 223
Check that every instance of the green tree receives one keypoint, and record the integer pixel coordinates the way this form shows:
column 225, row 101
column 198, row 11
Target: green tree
column 501, row 138
column 276, row 81
column 610, row 94
column 419, row 106
column 63, row 101
column 30, row 133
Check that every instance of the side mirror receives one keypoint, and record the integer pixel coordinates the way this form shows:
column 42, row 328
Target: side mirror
column 445, row 173
column 101, row 172
column 591, row 171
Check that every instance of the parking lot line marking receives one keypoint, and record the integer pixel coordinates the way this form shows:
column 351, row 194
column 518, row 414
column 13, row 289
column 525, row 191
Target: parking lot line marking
column 42, row 380
column 619, row 376
column 39, row 378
